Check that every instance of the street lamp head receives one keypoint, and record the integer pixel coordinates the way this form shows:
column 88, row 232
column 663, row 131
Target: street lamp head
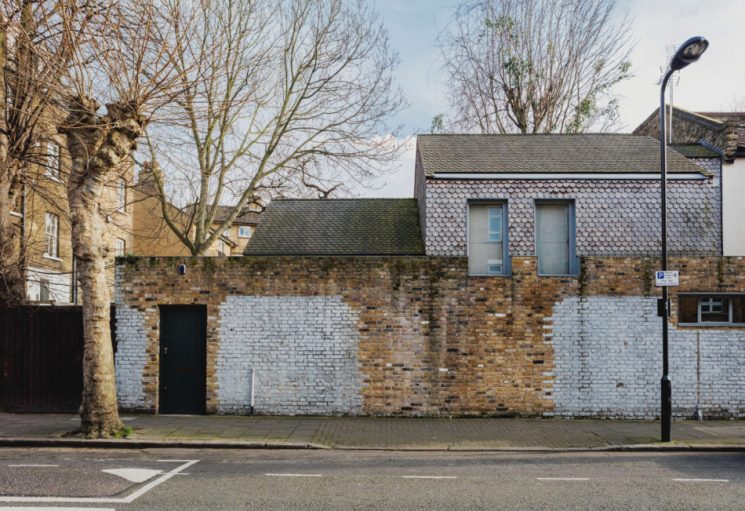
column 689, row 52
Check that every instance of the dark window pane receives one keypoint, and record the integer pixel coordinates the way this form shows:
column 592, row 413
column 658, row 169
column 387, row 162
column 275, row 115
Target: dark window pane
column 687, row 309
column 714, row 309
column 738, row 309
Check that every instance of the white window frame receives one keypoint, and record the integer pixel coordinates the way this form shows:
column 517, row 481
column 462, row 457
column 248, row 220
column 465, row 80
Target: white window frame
column 241, row 231
column 119, row 252
column 44, row 285
column 51, row 235
column 53, row 164
column 121, row 194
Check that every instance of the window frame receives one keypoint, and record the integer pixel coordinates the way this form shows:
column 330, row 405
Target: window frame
column 53, row 161
column 47, row 234
column 705, row 324
column 121, row 195
column 506, row 259
column 116, row 247
column 240, row 228
column 574, row 264
column 45, row 287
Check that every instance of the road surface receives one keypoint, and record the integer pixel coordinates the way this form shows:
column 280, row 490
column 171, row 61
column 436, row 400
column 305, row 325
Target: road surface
column 182, row 479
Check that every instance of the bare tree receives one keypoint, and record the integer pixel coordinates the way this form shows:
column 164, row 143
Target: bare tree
column 34, row 51
column 278, row 98
column 535, row 66
column 128, row 65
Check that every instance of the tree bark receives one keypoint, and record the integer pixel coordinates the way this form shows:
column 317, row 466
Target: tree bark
column 97, row 146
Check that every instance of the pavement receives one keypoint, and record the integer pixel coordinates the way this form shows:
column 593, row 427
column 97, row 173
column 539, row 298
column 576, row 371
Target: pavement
column 366, row 433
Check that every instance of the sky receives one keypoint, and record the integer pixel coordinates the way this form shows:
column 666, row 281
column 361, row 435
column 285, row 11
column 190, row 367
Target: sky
column 713, row 83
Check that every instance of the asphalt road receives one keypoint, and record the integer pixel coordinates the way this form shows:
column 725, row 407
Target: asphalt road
column 286, row 479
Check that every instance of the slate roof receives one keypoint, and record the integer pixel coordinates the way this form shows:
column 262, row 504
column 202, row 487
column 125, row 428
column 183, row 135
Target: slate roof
column 338, row 227
column 246, row 217
column 694, row 151
column 555, row 153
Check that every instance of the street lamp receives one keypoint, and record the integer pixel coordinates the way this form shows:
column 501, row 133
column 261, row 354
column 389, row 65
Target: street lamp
column 688, row 53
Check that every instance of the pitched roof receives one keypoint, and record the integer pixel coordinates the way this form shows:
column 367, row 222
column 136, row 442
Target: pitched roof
column 338, row 227
column 246, row 217
column 694, row 151
column 538, row 154
column 738, row 118
column 723, row 130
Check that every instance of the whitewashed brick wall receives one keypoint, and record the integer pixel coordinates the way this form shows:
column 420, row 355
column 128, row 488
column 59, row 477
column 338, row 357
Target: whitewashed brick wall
column 302, row 350
column 131, row 357
column 608, row 361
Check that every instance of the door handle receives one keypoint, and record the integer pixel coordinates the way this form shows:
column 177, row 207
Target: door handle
column 165, row 350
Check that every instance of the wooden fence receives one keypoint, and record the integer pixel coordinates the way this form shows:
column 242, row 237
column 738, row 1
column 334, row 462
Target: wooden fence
column 41, row 356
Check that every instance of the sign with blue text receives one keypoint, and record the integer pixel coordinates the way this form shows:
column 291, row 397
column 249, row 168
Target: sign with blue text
column 666, row 278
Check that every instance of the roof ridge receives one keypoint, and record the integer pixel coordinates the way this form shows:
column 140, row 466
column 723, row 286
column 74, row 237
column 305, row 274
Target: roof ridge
column 322, row 199
column 594, row 133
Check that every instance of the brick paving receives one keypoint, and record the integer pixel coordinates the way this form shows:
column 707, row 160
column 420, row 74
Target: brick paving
column 388, row 433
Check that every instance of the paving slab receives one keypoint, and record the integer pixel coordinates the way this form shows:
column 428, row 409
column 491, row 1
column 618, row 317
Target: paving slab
column 382, row 433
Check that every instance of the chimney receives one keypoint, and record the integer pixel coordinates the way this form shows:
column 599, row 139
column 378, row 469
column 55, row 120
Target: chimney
column 146, row 179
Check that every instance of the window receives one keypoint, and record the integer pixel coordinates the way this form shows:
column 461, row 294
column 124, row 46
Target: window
column 121, row 194
column 713, row 309
column 226, row 233
column 120, row 247
column 244, row 231
column 487, row 240
column 51, row 235
column 221, row 248
column 44, row 294
column 53, row 161
column 554, row 238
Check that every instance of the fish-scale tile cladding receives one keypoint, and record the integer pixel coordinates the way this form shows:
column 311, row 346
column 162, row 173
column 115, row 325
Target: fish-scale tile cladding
column 614, row 217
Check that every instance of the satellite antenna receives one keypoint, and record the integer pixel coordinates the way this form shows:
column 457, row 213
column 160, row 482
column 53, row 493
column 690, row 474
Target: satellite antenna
column 670, row 50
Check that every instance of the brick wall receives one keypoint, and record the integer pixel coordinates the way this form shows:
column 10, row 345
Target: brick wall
column 416, row 336
column 613, row 217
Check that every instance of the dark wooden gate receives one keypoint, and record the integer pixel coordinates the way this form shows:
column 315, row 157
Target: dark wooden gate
column 183, row 354
column 41, row 358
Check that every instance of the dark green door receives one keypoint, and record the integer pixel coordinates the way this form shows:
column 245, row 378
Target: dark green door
column 183, row 333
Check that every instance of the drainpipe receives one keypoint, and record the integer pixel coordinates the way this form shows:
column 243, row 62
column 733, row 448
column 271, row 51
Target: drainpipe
column 253, row 384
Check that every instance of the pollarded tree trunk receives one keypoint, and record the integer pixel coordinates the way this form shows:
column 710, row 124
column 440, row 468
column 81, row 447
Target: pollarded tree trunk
column 97, row 146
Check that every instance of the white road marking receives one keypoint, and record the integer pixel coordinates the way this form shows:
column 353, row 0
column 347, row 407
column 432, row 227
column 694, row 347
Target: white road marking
column 702, row 480
column 106, row 500
column 294, row 475
column 429, row 477
column 33, row 465
column 135, row 475
column 563, row 478
column 57, row 508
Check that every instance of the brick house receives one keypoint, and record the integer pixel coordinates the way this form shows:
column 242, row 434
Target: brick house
column 519, row 282
column 153, row 237
column 720, row 133
column 43, row 220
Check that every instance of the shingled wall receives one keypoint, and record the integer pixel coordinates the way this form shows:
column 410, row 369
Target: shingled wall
column 417, row 336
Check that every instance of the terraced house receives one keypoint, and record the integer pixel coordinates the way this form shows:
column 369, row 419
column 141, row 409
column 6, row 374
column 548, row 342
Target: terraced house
column 517, row 281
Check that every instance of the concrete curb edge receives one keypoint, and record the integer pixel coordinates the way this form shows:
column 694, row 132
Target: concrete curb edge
column 201, row 444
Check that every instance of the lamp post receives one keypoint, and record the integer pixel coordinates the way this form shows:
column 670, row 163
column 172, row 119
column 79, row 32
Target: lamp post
column 688, row 53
